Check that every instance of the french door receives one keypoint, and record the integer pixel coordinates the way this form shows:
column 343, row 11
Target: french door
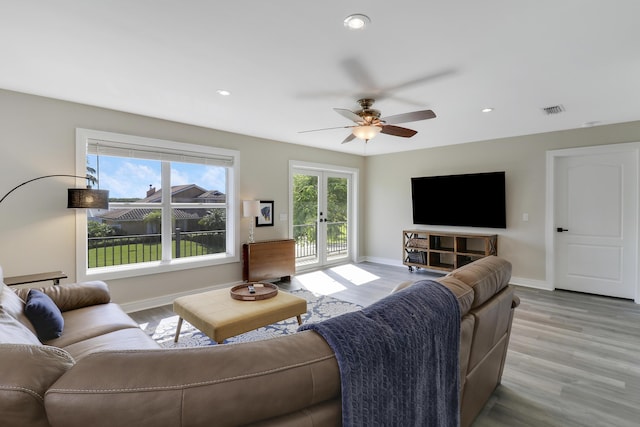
column 320, row 220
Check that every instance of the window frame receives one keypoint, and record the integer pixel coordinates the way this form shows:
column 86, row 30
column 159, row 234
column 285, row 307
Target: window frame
column 83, row 138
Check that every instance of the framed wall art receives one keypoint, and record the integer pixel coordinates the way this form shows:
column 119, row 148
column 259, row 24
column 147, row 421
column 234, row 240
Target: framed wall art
column 265, row 219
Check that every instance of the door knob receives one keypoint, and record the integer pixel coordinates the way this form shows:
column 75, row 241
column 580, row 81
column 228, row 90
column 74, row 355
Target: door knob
column 560, row 229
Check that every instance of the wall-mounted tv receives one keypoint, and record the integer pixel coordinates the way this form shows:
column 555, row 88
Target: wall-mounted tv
column 471, row 200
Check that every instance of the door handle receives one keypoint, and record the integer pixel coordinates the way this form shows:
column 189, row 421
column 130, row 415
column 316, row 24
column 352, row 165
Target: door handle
column 560, row 229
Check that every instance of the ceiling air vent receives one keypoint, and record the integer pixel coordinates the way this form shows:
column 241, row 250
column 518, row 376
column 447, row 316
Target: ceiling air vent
column 554, row 109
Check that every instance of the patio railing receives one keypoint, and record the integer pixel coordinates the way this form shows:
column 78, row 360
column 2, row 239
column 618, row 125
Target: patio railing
column 121, row 250
column 307, row 243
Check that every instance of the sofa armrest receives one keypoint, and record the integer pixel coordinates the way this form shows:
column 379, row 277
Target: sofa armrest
column 74, row 295
column 27, row 372
column 231, row 384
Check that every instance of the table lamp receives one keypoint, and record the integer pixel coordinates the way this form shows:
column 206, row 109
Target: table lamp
column 251, row 209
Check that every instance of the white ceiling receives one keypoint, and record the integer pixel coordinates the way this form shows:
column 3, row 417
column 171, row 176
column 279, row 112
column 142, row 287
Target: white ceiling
column 288, row 63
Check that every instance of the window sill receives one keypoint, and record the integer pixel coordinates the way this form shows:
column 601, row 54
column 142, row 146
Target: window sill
column 149, row 268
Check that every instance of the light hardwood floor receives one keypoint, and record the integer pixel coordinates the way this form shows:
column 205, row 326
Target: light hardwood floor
column 573, row 359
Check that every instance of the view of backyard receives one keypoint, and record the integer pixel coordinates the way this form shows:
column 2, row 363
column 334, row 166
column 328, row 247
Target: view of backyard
column 128, row 234
column 120, row 250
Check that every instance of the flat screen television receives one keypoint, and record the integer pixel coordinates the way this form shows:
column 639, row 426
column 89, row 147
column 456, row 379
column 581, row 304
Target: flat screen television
column 471, row 200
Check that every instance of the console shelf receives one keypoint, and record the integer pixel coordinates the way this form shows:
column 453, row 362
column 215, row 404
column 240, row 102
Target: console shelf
column 445, row 251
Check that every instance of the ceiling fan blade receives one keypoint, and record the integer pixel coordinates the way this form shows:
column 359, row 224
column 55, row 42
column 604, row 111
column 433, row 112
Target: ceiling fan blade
column 359, row 74
column 421, row 80
column 410, row 117
column 317, row 130
column 398, row 131
column 351, row 137
column 348, row 114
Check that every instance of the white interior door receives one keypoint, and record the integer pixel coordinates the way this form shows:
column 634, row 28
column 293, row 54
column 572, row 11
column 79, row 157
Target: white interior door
column 596, row 223
column 320, row 221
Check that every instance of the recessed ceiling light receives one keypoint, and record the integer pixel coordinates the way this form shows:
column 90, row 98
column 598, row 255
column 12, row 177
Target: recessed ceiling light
column 487, row 110
column 357, row 21
column 223, row 92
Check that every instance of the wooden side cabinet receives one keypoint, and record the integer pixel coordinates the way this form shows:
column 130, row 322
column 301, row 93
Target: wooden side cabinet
column 445, row 251
column 274, row 259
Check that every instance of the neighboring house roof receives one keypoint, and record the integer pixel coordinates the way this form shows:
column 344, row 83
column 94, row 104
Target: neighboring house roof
column 188, row 191
column 137, row 214
column 156, row 196
column 183, row 193
column 214, row 196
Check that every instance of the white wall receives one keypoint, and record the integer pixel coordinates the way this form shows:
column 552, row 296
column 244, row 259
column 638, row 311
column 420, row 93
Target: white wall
column 37, row 231
column 388, row 191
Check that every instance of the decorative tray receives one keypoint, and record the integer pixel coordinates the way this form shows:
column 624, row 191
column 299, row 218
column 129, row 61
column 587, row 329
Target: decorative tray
column 261, row 291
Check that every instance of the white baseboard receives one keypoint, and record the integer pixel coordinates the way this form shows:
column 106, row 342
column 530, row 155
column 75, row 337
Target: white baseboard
column 531, row 283
column 386, row 261
column 131, row 307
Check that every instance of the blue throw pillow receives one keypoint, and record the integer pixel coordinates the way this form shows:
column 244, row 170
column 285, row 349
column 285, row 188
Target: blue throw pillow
column 44, row 314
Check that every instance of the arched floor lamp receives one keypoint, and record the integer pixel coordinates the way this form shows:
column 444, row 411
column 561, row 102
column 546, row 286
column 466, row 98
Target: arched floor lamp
column 77, row 197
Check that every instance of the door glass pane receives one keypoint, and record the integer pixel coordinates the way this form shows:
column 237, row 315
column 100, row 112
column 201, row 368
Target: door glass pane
column 337, row 214
column 305, row 218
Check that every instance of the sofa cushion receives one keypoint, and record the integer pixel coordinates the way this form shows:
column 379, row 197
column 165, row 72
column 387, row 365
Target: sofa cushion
column 89, row 322
column 44, row 315
column 463, row 292
column 122, row 339
column 74, row 295
column 13, row 306
column 486, row 276
column 14, row 332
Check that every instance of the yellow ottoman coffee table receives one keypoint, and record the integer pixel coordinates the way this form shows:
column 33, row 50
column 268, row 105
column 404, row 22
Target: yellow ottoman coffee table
column 219, row 316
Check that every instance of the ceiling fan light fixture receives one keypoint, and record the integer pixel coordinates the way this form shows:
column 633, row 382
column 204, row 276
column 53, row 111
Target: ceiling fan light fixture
column 366, row 132
column 357, row 21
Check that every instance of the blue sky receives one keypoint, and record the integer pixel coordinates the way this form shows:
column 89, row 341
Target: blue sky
column 127, row 177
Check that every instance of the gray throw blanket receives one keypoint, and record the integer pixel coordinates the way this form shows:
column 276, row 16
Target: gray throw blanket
column 398, row 358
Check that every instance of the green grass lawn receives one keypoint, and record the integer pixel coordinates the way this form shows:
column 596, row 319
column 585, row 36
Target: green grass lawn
column 135, row 253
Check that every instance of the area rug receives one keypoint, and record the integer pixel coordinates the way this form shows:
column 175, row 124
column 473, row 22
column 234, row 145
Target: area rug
column 319, row 307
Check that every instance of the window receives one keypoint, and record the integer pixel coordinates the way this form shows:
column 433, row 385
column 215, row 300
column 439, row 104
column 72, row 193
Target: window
column 171, row 205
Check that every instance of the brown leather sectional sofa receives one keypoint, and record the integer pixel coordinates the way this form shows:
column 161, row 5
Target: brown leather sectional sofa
column 105, row 371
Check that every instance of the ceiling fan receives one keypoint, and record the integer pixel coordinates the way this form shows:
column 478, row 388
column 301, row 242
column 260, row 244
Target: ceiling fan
column 369, row 123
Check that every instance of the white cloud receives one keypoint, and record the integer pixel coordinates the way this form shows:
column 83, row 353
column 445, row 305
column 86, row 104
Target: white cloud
column 215, row 178
column 180, row 177
column 129, row 179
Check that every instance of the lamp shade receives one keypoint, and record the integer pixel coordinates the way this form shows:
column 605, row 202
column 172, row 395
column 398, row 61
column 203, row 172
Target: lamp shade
column 250, row 208
column 88, row 198
column 366, row 132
